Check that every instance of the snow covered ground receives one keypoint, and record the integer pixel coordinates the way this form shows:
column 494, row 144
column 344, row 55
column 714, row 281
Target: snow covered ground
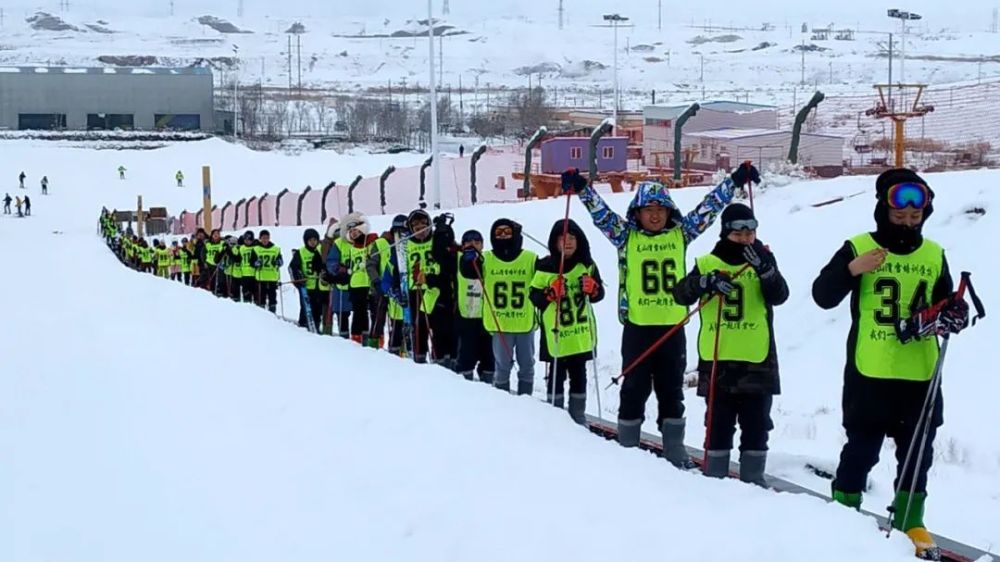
column 139, row 416
column 348, row 46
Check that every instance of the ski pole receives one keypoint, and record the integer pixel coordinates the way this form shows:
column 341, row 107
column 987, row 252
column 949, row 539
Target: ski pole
column 635, row 362
column 561, row 280
column 597, row 385
column 746, row 164
column 711, row 383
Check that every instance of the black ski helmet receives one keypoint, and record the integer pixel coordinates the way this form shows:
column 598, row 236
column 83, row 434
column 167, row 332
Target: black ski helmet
column 399, row 223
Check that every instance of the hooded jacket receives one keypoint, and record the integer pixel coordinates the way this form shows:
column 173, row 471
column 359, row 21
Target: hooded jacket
column 618, row 229
column 550, row 264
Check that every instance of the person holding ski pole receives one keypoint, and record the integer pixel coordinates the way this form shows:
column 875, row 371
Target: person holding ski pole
column 569, row 296
column 214, row 273
column 892, row 274
column 267, row 262
column 739, row 377
column 652, row 240
column 247, row 289
column 390, row 286
column 506, row 273
column 377, row 265
column 305, row 268
column 420, row 264
column 475, row 345
column 444, row 249
column 347, row 264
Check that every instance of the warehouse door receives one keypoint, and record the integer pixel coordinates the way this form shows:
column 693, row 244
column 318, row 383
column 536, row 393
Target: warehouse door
column 110, row 121
column 43, row 121
column 178, row 121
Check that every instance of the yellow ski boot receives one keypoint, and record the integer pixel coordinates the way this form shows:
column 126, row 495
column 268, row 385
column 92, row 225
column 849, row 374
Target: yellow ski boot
column 908, row 516
column 926, row 549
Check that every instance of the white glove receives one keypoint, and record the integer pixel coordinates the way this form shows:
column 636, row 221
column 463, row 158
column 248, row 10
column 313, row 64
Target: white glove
column 333, row 229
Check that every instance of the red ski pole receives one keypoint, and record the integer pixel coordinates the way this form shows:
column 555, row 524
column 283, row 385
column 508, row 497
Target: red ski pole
column 496, row 319
column 711, row 384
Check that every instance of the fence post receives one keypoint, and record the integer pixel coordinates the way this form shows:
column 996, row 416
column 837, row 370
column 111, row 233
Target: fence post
column 350, row 194
column 793, row 149
column 381, row 186
column 298, row 208
column 678, row 131
column 472, row 172
column 423, row 183
column 326, row 191
column 532, row 143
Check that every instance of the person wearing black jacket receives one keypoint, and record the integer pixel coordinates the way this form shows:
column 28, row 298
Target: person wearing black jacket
column 444, row 248
column 890, row 274
column 567, row 287
column 744, row 272
column 305, row 268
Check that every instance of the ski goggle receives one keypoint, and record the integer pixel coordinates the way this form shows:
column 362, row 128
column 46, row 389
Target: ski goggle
column 503, row 231
column 745, row 224
column 909, row 194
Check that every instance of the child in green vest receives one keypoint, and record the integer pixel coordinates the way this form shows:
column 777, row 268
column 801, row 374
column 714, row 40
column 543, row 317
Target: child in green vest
column 267, row 262
column 475, row 345
column 567, row 317
column 891, row 274
column 506, row 273
column 744, row 272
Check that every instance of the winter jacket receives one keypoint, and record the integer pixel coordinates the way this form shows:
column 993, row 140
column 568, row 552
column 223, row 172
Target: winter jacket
column 869, row 403
column 618, row 229
column 738, row 377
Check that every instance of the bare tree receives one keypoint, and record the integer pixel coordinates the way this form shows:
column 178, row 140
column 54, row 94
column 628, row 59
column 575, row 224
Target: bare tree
column 530, row 109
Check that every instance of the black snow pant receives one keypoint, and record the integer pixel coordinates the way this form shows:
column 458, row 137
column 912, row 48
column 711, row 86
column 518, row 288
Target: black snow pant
column 443, row 340
column 573, row 366
column 396, row 337
column 379, row 307
column 268, row 291
column 662, row 371
column 359, row 311
column 475, row 347
column 318, row 303
column 187, row 277
column 860, row 455
column 752, row 411
column 421, row 329
column 234, row 288
column 248, row 286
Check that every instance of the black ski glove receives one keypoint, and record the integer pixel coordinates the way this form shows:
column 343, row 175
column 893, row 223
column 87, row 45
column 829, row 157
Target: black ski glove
column 572, row 181
column 760, row 259
column 744, row 174
column 716, row 282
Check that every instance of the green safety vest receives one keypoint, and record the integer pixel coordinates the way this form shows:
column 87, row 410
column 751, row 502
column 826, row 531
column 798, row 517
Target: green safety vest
column 162, row 258
column 355, row 260
column 418, row 256
column 246, row 261
column 212, row 250
column 147, row 255
column 470, row 295
column 576, row 316
column 884, row 296
column 652, row 264
column 185, row 260
column 306, row 257
column 268, row 257
column 744, row 334
column 506, row 286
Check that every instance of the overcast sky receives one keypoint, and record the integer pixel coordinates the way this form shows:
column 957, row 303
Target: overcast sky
column 968, row 15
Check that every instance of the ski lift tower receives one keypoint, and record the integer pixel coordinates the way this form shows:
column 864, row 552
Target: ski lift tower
column 883, row 110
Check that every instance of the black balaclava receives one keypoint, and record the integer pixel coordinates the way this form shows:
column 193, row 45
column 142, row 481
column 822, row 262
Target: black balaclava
column 727, row 250
column 310, row 234
column 582, row 253
column 897, row 238
column 508, row 249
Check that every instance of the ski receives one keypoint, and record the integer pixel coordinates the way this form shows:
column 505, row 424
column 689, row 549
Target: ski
column 951, row 551
column 404, row 286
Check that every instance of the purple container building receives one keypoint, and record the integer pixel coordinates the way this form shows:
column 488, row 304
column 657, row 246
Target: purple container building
column 571, row 152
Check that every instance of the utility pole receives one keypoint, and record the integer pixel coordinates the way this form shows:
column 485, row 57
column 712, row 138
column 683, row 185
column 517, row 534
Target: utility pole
column 171, row 9
column 441, row 58
column 446, row 9
column 298, row 48
column 803, row 79
column 239, row 8
column 436, row 178
column 289, row 64
column 236, row 91
column 615, row 20
column 560, row 14
column 659, row 15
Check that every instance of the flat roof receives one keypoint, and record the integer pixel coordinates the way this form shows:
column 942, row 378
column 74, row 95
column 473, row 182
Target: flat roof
column 104, row 70
column 737, row 133
column 672, row 111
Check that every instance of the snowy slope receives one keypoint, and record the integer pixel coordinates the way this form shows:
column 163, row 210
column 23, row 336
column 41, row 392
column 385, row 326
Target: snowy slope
column 219, row 422
column 342, row 50
column 143, row 420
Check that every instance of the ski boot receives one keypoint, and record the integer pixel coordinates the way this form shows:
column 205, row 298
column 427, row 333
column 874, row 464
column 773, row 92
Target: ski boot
column 525, row 387
column 911, row 522
column 848, row 499
column 578, row 408
column 673, row 444
column 486, row 377
column 718, row 463
column 558, row 402
column 628, row 432
column 752, row 464
column 358, row 339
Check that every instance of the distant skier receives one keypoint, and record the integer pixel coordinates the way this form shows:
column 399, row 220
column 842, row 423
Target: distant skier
column 27, row 206
column 267, row 262
column 17, row 203
column 180, row 178
column 6, row 203
column 121, row 172
column 45, row 185
column 20, row 178
column 461, row 151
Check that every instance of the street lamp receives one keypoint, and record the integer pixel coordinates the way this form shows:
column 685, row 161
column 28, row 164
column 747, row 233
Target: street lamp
column 236, row 91
column 903, row 16
column 615, row 20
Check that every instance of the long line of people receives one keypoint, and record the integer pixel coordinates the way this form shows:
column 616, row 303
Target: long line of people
column 449, row 301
